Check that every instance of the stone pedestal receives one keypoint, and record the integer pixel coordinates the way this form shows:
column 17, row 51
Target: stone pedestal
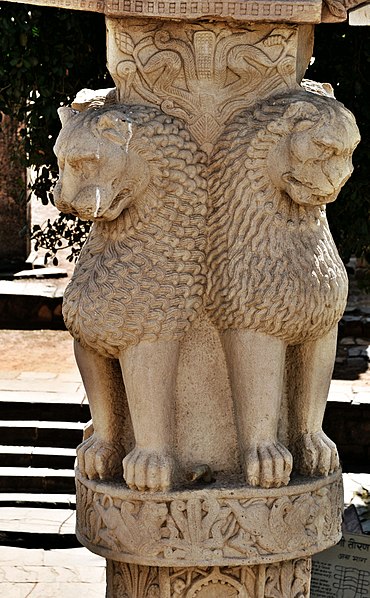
column 212, row 541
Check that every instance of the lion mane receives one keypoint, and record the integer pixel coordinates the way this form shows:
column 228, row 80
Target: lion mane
column 272, row 264
column 141, row 276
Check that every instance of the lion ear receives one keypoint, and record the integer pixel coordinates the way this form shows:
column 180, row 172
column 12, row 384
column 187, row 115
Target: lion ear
column 112, row 126
column 304, row 113
column 65, row 114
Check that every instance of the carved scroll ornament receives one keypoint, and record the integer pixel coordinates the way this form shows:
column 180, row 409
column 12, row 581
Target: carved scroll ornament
column 202, row 74
column 217, row 527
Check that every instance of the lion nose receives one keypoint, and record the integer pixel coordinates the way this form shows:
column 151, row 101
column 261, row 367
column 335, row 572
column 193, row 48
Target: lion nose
column 61, row 202
column 57, row 191
column 89, row 202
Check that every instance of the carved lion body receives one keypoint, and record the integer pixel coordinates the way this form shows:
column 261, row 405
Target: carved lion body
column 253, row 226
column 140, row 275
column 273, row 265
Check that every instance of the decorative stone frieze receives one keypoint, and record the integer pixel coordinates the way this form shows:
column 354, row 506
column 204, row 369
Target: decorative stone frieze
column 290, row 579
column 210, row 526
column 201, row 73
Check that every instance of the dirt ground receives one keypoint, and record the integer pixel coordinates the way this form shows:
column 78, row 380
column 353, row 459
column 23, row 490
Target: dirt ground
column 36, row 351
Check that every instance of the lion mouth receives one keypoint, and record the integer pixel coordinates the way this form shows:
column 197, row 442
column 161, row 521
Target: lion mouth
column 112, row 211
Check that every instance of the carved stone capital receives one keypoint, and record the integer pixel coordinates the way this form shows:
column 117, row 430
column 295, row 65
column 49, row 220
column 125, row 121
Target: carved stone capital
column 212, row 526
column 204, row 73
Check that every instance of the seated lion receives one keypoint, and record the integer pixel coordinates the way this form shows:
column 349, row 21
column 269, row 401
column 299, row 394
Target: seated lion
column 244, row 237
column 140, row 279
column 276, row 285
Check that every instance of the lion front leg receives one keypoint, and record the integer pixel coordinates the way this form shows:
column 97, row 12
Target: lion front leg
column 309, row 375
column 100, row 456
column 149, row 371
column 256, row 369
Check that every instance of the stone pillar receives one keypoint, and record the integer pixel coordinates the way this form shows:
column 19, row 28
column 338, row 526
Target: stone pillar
column 211, row 287
column 205, row 302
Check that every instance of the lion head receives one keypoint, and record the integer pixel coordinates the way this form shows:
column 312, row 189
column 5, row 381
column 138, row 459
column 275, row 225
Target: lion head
column 100, row 173
column 313, row 158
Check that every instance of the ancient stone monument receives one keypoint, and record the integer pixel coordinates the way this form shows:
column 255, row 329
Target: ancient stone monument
column 205, row 302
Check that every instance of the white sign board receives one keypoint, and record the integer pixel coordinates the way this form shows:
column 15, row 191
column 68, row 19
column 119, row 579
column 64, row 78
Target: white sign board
column 344, row 570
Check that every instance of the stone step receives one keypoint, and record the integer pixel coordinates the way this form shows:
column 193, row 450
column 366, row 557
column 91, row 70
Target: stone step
column 29, row 456
column 66, row 390
column 37, row 521
column 37, row 528
column 37, row 500
column 29, row 479
column 28, row 409
column 62, row 434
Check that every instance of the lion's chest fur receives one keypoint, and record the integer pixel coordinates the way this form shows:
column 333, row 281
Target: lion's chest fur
column 137, row 281
column 280, row 272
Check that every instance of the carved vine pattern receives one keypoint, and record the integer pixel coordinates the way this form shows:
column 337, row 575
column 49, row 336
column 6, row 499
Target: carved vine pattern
column 206, row 528
column 208, row 78
column 281, row 580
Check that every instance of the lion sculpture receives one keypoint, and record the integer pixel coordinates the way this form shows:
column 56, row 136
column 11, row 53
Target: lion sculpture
column 276, row 285
column 243, row 236
column 140, row 278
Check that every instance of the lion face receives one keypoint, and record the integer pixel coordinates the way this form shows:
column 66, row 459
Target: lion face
column 321, row 163
column 313, row 162
column 96, row 168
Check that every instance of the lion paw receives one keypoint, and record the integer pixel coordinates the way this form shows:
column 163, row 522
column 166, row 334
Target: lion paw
column 315, row 455
column 98, row 459
column 148, row 470
column 268, row 465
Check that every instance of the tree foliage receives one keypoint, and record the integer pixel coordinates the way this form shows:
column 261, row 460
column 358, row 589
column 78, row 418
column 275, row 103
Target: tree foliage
column 342, row 58
column 49, row 54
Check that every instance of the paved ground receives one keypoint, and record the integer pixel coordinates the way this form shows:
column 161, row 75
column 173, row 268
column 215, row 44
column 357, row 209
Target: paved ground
column 42, row 361
column 74, row 573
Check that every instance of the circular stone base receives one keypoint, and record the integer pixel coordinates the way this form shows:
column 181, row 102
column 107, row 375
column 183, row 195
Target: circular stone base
column 218, row 526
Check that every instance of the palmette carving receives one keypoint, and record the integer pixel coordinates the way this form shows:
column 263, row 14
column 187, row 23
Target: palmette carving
column 288, row 580
column 132, row 581
column 219, row 527
column 203, row 74
column 283, row 580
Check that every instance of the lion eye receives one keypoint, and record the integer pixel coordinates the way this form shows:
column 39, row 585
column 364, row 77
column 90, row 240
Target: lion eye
column 82, row 163
column 327, row 153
